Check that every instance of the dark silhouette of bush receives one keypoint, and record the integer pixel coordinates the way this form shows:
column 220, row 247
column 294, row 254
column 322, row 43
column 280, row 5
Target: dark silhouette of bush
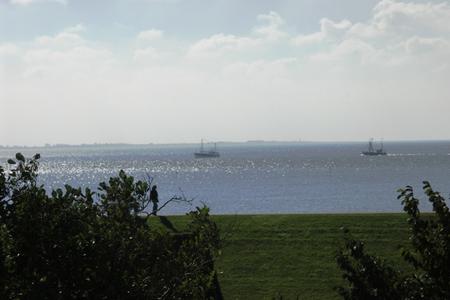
column 80, row 244
column 371, row 277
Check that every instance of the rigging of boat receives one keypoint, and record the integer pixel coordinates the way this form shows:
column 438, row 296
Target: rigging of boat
column 202, row 153
column 371, row 151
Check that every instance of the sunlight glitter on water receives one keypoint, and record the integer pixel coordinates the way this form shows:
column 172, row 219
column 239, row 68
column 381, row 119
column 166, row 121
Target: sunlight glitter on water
column 252, row 179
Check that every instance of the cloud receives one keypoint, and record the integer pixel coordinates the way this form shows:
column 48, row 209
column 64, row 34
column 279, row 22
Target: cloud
column 220, row 44
column 76, row 62
column 69, row 37
column 308, row 39
column 262, row 36
column 262, row 69
column 332, row 29
column 150, row 35
column 329, row 31
column 417, row 45
column 392, row 36
column 9, row 49
column 10, row 59
column 149, row 48
column 148, row 54
column 63, row 39
column 66, row 53
column 28, row 2
column 76, row 29
column 348, row 49
column 271, row 29
column 395, row 19
column 412, row 18
column 343, row 71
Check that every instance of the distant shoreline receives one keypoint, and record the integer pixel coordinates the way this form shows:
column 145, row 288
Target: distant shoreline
column 249, row 142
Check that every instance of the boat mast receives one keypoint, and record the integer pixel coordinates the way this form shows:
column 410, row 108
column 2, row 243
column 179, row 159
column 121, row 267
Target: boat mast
column 371, row 145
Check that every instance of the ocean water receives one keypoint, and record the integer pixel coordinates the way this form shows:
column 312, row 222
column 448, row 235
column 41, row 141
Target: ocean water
column 259, row 177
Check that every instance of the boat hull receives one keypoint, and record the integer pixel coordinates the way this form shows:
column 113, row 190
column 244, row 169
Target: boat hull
column 365, row 153
column 210, row 154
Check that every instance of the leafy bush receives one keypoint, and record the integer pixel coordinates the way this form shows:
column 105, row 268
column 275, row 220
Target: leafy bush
column 77, row 244
column 370, row 277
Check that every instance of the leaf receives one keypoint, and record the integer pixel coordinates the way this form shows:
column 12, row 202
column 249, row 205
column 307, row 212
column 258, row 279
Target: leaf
column 37, row 156
column 20, row 157
column 11, row 162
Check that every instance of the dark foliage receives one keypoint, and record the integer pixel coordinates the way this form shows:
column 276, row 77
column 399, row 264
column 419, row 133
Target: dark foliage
column 77, row 244
column 370, row 277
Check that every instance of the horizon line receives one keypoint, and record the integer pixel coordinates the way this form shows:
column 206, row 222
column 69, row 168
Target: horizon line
column 300, row 141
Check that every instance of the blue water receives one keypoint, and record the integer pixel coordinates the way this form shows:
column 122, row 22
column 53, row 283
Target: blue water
column 259, row 178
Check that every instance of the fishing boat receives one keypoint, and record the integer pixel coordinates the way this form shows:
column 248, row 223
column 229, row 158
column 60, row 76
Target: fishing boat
column 371, row 151
column 202, row 153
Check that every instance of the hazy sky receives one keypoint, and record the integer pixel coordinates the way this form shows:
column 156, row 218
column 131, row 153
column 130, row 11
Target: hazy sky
column 139, row 71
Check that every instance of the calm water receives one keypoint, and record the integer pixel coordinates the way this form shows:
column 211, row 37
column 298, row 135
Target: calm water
column 260, row 178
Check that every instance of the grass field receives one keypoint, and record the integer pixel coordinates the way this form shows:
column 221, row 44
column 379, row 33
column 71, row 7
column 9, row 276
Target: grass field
column 294, row 255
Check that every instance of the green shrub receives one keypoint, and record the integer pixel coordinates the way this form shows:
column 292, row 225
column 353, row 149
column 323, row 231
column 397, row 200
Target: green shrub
column 80, row 244
column 371, row 277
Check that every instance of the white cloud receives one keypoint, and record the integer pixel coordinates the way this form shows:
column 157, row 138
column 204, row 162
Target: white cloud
column 28, row 2
column 412, row 18
column 76, row 63
column 65, row 54
column 9, row 49
column 271, row 29
column 417, row 45
column 392, row 36
column 263, row 36
column 272, row 18
column 220, row 44
column 10, row 59
column 308, row 39
column 61, row 40
column 394, row 20
column 75, row 29
column 332, row 29
column 145, row 54
column 329, row 31
column 354, row 71
column 348, row 49
column 365, row 31
column 263, row 70
column 148, row 54
column 67, row 38
column 150, row 35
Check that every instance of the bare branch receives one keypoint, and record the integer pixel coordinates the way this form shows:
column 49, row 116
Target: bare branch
column 178, row 199
column 149, row 178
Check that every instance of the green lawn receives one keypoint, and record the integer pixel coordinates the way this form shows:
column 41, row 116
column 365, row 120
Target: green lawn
column 294, row 255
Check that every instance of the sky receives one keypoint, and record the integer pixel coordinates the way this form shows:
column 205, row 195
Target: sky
column 176, row 71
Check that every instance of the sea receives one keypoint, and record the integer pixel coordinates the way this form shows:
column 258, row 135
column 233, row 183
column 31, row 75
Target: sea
column 257, row 177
